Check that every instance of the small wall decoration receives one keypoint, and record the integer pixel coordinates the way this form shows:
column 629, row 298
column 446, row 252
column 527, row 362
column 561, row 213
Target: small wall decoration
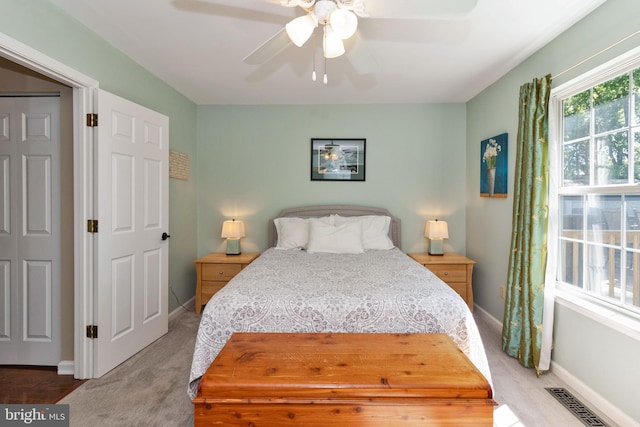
column 179, row 165
column 493, row 167
column 338, row 159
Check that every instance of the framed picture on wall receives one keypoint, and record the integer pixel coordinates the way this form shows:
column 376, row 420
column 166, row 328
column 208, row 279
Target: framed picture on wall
column 493, row 166
column 338, row 159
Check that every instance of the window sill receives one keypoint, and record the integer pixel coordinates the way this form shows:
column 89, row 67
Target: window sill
column 627, row 324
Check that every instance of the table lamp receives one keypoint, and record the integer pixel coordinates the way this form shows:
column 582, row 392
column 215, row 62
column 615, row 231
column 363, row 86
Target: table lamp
column 233, row 230
column 436, row 231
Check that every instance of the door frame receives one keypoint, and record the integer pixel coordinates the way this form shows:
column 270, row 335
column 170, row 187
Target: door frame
column 83, row 191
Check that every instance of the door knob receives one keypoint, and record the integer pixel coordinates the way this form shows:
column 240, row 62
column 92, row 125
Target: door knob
column 165, row 236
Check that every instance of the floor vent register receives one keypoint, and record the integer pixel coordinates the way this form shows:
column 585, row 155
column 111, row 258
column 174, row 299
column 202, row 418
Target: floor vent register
column 576, row 407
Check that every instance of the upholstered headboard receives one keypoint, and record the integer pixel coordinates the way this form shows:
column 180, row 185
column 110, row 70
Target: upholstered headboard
column 342, row 210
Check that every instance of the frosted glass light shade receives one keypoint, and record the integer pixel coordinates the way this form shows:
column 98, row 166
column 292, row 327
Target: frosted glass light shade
column 300, row 29
column 344, row 23
column 331, row 43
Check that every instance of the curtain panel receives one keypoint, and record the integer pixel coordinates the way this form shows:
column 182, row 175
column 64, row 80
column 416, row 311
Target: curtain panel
column 524, row 300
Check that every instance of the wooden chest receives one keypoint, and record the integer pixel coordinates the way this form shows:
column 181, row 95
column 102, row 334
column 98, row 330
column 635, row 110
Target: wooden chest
column 284, row 379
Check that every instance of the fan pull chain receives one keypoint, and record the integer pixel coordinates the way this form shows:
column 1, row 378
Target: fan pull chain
column 324, row 56
column 325, row 80
column 313, row 59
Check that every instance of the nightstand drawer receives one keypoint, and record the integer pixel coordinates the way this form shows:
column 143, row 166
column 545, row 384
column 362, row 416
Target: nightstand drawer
column 449, row 273
column 214, row 271
column 210, row 288
column 460, row 288
column 220, row 272
column 453, row 269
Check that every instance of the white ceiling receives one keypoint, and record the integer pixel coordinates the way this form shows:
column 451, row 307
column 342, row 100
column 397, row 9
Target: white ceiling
column 198, row 46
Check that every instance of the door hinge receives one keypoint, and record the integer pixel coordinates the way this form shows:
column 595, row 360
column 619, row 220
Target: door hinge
column 92, row 225
column 92, row 119
column 92, row 331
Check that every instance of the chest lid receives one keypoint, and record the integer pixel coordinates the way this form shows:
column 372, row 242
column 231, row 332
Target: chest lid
column 342, row 366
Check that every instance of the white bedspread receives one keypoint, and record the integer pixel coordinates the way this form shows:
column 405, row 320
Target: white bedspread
column 295, row 291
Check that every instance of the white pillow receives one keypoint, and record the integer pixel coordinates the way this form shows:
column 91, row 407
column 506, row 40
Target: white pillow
column 375, row 230
column 339, row 239
column 293, row 232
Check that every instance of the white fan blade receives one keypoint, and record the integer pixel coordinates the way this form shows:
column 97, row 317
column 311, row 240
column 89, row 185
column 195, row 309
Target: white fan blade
column 418, row 9
column 267, row 50
column 360, row 56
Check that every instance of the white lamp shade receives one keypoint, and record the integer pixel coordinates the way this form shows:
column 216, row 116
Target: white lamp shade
column 344, row 23
column 232, row 229
column 300, row 29
column 332, row 44
column 436, row 230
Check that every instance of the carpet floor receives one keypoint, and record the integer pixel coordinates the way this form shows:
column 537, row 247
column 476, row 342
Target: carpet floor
column 149, row 389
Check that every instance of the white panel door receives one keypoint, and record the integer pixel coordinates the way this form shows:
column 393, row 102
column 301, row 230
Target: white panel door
column 30, row 230
column 133, row 213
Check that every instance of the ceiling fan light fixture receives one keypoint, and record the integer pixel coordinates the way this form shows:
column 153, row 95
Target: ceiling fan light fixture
column 332, row 43
column 344, row 23
column 300, row 29
column 323, row 9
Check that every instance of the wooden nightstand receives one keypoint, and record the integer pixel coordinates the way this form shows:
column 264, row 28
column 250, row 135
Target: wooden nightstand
column 454, row 269
column 214, row 271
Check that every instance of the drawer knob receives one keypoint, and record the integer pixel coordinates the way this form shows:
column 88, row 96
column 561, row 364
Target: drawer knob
column 221, row 273
column 446, row 273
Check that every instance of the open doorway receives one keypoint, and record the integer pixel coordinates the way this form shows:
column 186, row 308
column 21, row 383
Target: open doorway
column 18, row 82
column 93, row 266
column 82, row 87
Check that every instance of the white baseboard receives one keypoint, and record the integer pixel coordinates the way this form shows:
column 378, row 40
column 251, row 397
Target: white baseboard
column 189, row 305
column 597, row 400
column 593, row 398
column 66, row 367
column 488, row 315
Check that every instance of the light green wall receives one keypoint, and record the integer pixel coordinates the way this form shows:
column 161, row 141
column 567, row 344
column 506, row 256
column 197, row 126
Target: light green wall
column 254, row 161
column 596, row 355
column 588, row 344
column 44, row 27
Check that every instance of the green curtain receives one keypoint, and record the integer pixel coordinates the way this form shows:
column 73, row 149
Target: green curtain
column 524, row 299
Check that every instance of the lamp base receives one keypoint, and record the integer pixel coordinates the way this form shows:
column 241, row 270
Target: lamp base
column 436, row 247
column 233, row 246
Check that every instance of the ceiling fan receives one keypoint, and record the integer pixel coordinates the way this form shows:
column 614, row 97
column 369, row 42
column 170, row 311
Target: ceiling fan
column 339, row 21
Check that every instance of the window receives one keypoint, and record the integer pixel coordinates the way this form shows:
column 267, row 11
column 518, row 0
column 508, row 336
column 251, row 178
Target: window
column 595, row 135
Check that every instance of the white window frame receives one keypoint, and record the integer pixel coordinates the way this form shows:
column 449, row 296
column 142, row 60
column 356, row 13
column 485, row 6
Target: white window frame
column 614, row 316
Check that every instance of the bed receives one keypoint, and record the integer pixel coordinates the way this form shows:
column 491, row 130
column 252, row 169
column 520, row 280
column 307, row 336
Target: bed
column 319, row 285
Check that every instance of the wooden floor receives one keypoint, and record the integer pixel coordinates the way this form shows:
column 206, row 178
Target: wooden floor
column 519, row 389
column 34, row 384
